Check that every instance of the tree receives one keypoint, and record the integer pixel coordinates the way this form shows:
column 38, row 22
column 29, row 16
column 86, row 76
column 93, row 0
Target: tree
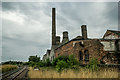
column 34, row 59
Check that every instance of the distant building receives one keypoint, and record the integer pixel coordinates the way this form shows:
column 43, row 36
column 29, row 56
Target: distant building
column 112, row 34
column 46, row 56
column 84, row 48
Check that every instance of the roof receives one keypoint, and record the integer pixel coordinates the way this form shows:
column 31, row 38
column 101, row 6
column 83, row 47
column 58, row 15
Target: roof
column 116, row 32
column 77, row 38
column 108, row 39
column 48, row 50
column 74, row 39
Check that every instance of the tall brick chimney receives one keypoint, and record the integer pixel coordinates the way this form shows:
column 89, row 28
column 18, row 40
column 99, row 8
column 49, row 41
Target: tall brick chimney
column 84, row 31
column 65, row 37
column 53, row 27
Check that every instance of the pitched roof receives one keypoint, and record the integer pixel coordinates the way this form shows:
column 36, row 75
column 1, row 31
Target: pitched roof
column 116, row 32
column 74, row 39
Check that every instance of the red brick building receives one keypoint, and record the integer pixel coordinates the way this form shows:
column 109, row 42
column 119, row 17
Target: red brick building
column 106, row 50
column 83, row 50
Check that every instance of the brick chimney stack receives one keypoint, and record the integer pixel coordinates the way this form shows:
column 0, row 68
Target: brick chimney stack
column 65, row 37
column 53, row 27
column 84, row 31
column 57, row 40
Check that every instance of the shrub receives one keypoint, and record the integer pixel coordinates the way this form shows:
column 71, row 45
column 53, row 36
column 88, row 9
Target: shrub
column 61, row 65
column 32, row 64
column 72, row 61
column 63, row 62
column 41, row 64
column 48, row 63
column 59, row 58
column 93, row 64
column 69, row 59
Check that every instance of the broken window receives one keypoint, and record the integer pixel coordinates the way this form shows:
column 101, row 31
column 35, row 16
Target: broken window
column 117, row 44
column 81, row 56
column 86, row 55
column 81, row 44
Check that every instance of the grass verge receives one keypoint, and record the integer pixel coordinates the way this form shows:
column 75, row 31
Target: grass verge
column 70, row 73
column 5, row 68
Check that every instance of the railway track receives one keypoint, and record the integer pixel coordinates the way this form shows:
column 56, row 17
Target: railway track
column 19, row 74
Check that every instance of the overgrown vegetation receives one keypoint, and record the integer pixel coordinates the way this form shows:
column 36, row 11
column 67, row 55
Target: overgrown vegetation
column 49, row 72
column 93, row 64
column 60, row 63
column 5, row 68
column 10, row 65
column 13, row 63
column 64, row 62
column 69, row 67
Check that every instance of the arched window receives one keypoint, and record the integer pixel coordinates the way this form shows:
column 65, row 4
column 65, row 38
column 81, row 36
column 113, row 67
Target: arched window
column 81, row 56
column 86, row 55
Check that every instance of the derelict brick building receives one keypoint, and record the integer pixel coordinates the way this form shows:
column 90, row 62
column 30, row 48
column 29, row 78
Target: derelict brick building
column 84, row 48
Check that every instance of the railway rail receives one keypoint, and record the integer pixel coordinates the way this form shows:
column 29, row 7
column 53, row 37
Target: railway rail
column 18, row 74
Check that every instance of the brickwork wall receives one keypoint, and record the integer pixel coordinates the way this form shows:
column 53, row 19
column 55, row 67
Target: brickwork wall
column 94, row 47
column 110, row 58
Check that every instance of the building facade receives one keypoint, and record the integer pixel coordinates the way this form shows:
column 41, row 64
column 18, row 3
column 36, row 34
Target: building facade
column 106, row 50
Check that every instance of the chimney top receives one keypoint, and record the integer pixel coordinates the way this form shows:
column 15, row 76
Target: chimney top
column 65, row 32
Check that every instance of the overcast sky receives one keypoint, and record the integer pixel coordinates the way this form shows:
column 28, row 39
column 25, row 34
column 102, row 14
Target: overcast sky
column 26, row 26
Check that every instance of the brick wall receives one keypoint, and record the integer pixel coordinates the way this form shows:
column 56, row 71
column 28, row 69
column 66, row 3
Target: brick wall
column 94, row 47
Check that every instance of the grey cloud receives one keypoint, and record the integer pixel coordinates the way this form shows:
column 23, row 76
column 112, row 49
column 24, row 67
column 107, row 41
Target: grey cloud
column 34, row 35
column 20, row 49
column 112, row 11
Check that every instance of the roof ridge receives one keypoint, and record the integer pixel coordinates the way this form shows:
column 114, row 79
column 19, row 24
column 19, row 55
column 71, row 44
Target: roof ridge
column 114, row 30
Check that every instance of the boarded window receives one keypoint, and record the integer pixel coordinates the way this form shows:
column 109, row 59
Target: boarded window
column 81, row 56
column 86, row 55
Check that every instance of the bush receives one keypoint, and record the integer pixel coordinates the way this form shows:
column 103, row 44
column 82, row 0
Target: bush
column 48, row 63
column 69, row 59
column 93, row 64
column 32, row 64
column 63, row 62
column 61, row 65
column 41, row 64
column 59, row 58
column 72, row 61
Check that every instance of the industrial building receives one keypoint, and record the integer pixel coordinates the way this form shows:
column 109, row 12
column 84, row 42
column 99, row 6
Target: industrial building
column 106, row 49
